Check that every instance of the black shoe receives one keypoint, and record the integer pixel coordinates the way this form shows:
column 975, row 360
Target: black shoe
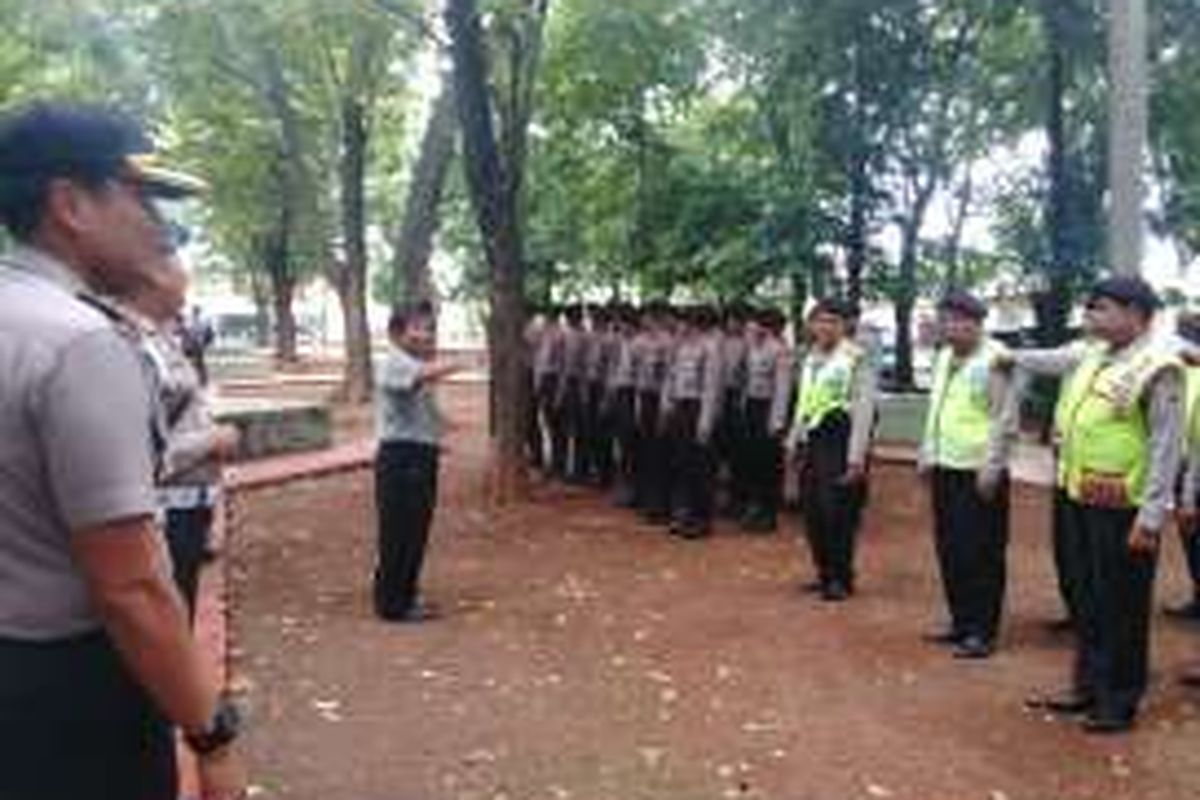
column 656, row 517
column 1105, row 722
column 758, row 523
column 1061, row 625
column 414, row 614
column 973, row 647
column 690, row 530
column 1068, row 702
column 812, row 587
column 834, row 593
column 946, row 637
column 1189, row 612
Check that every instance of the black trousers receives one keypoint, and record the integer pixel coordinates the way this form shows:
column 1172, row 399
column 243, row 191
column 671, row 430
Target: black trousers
column 574, row 422
column 971, row 538
column 832, row 510
column 763, row 465
column 187, row 539
column 555, row 421
column 1189, row 542
column 693, row 467
column 405, row 494
column 1066, row 571
column 534, row 441
column 730, row 446
column 74, row 725
column 653, row 486
column 598, row 451
column 622, row 421
column 1114, row 592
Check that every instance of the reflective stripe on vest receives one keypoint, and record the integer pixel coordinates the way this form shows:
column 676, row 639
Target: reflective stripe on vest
column 827, row 388
column 1103, row 423
column 958, row 423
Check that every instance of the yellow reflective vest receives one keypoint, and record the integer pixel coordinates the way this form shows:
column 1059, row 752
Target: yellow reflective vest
column 958, row 424
column 1101, row 421
column 827, row 387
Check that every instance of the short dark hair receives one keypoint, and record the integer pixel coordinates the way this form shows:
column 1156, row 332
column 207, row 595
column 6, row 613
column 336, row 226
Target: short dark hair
column 403, row 315
column 836, row 307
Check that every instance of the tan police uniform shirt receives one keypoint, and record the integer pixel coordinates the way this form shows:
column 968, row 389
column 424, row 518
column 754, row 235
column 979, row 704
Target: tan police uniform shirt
column 75, row 447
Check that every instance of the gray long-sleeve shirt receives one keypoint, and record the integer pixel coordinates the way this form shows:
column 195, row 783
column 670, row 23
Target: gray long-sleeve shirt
column 695, row 373
column 548, row 352
column 769, row 377
column 1163, row 399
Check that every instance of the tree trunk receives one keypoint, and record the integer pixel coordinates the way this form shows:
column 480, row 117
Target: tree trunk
column 260, row 294
column 352, row 283
column 492, row 194
column 1052, row 307
column 954, row 243
column 905, row 298
column 856, row 233
column 281, row 281
column 860, row 188
column 285, row 323
column 414, row 243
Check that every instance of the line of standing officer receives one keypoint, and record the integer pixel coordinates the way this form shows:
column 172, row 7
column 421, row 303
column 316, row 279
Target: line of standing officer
column 829, row 440
column 1120, row 424
column 970, row 429
column 768, row 390
column 691, row 403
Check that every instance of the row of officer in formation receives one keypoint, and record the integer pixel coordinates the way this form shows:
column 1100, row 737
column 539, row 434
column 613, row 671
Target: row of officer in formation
column 657, row 402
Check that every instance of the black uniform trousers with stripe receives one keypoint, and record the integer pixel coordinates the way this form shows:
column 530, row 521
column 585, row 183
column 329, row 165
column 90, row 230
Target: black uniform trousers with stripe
column 653, row 480
column 832, row 509
column 971, row 539
column 763, row 465
column 1114, row 591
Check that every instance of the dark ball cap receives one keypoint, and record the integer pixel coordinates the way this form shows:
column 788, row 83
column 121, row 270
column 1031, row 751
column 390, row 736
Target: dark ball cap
column 960, row 301
column 64, row 140
column 1128, row 290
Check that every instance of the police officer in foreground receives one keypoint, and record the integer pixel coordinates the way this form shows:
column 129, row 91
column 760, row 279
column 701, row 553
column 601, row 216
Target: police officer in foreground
column 764, row 413
column 691, row 405
column 96, row 658
column 1120, row 423
column 194, row 445
column 970, row 429
column 829, row 440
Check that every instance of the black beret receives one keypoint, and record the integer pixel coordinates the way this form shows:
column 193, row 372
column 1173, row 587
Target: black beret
column 963, row 302
column 1128, row 290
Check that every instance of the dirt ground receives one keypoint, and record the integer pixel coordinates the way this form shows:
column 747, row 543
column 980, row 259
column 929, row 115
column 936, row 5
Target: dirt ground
column 585, row 656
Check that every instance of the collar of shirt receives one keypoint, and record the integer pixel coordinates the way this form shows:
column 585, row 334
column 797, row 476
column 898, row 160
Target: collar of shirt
column 42, row 264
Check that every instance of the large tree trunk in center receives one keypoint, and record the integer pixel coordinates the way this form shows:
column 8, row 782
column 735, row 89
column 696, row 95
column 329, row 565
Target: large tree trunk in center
column 414, row 244
column 493, row 190
column 352, row 280
column 1052, row 307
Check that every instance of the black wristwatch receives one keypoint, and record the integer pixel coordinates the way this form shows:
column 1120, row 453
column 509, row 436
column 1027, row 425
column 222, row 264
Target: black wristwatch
column 222, row 729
